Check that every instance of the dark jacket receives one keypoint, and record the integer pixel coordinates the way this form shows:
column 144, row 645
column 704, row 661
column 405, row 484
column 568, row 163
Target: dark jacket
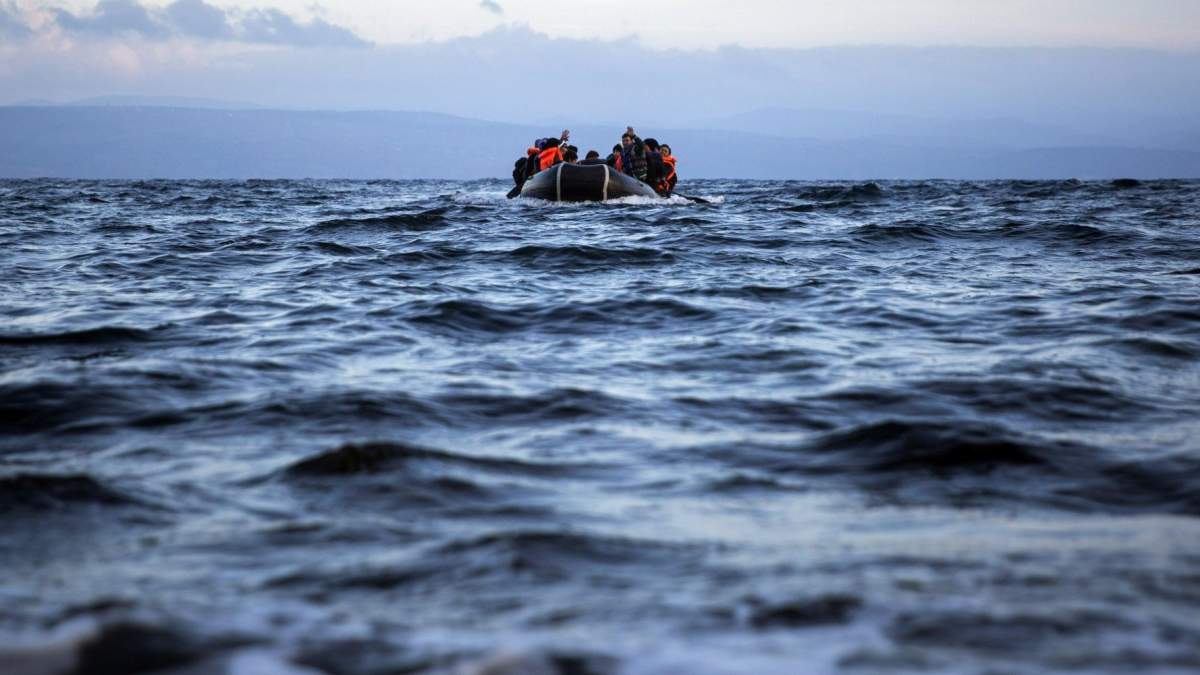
column 633, row 159
column 655, row 171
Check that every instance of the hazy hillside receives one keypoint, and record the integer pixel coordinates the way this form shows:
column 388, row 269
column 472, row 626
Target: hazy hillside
column 999, row 132
column 163, row 142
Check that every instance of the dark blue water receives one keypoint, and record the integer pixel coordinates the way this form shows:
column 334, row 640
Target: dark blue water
column 410, row 427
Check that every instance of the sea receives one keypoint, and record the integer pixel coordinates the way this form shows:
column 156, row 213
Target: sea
column 381, row 427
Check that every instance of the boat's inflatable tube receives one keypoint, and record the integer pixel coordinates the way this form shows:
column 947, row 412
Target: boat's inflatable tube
column 584, row 183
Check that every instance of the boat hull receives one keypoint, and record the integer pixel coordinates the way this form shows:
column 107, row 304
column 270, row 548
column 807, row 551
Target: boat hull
column 583, row 183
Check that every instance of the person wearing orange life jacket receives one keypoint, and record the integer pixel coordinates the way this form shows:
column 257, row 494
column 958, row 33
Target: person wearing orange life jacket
column 670, row 177
column 535, row 160
column 541, row 146
column 655, row 169
column 614, row 157
column 551, row 155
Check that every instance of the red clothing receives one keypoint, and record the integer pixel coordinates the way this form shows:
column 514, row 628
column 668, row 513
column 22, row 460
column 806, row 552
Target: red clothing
column 549, row 157
column 669, row 179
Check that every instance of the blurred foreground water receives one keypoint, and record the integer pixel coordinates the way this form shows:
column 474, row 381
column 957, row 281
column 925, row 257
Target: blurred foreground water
column 393, row 427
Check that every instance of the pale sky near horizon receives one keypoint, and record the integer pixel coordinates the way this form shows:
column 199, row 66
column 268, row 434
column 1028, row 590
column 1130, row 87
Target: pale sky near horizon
column 701, row 24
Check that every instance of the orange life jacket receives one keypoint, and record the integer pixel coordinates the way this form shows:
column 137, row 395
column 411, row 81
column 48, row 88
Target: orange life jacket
column 549, row 157
column 620, row 165
column 664, row 185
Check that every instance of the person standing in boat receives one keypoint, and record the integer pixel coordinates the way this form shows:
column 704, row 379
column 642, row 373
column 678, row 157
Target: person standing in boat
column 633, row 155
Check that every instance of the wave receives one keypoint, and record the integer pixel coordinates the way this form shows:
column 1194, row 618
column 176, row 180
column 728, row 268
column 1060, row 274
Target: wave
column 36, row 407
column 481, row 560
column 996, row 632
column 45, row 492
column 1081, row 233
column 470, row 317
column 100, row 336
column 910, row 232
column 898, row 446
column 373, row 458
column 857, row 192
column 834, row 608
column 431, row 219
column 1048, row 399
column 551, row 405
column 401, row 476
column 332, row 407
column 334, row 248
column 934, row 462
column 586, row 257
column 1175, row 319
column 554, row 552
column 126, row 645
column 1185, row 350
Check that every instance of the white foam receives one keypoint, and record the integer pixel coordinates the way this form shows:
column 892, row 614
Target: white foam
column 673, row 200
column 495, row 198
column 266, row 662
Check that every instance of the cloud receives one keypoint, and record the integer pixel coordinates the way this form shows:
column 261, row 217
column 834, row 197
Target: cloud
column 112, row 18
column 492, row 6
column 11, row 24
column 272, row 26
column 196, row 19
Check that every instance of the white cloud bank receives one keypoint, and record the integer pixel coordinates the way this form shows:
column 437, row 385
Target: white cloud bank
column 195, row 20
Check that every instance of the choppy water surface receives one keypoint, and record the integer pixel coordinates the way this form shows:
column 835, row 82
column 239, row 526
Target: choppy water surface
column 359, row 427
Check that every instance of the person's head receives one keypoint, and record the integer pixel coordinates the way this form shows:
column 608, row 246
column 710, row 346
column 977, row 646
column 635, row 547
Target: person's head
column 665, row 150
column 551, row 143
column 570, row 156
column 652, row 144
column 626, row 142
column 617, row 149
column 592, row 154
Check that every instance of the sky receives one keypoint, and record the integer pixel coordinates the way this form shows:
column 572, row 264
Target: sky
column 1089, row 68
column 706, row 24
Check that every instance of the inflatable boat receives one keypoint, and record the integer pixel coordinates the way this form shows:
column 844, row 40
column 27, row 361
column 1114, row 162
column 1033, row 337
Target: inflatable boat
column 584, row 183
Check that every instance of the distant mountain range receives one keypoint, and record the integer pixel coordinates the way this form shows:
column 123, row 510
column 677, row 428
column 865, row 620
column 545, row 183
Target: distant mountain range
column 905, row 129
column 134, row 101
column 196, row 138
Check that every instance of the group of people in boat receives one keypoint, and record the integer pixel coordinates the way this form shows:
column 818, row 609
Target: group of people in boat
column 646, row 160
